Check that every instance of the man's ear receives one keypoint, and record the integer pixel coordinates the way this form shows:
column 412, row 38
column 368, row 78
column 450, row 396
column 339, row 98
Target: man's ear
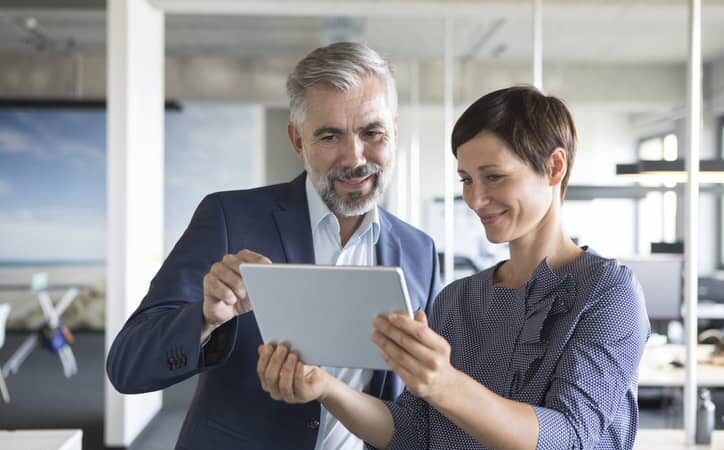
column 557, row 166
column 296, row 139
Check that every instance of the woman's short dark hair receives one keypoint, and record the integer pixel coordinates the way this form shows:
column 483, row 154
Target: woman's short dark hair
column 532, row 124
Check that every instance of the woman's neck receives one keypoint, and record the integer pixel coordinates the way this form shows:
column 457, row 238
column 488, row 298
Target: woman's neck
column 548, row 240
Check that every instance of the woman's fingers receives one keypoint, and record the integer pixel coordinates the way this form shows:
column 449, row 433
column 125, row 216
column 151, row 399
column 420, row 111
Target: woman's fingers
column 411, row 336
column 414, row 351
column 416, row 328
column 398, row 357
column 398, row 364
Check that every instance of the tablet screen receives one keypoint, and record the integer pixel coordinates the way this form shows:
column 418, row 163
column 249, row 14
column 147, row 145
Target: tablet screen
column 325, row 313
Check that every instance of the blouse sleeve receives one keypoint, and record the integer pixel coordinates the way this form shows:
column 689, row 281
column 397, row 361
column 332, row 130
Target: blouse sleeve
column 595, row 371
column 411, row 419
column 411, row 415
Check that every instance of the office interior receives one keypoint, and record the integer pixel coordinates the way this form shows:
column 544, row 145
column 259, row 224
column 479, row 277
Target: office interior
column 621, row 67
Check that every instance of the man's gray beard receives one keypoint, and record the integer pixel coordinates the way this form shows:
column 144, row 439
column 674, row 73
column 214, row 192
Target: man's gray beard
column 355, row 204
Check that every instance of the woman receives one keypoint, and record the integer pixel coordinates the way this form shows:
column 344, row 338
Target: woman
column 540, row 351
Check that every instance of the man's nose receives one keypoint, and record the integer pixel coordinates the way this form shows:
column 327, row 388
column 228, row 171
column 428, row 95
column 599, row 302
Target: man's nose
column 353, row 153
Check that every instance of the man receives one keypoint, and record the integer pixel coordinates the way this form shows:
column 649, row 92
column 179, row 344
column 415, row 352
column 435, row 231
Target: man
column 197, row 318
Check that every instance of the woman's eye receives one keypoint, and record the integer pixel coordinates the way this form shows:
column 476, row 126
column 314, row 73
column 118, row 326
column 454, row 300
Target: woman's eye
column 494, row 177
column 465, row 181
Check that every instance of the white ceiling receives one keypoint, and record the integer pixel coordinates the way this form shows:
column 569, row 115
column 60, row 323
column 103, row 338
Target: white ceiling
column 585, row 31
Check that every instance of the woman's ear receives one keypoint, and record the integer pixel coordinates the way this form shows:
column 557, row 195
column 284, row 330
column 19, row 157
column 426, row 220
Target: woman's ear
column 557, row 166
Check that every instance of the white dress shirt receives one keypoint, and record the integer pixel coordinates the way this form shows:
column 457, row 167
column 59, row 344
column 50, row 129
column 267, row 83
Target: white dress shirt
column 328, row 250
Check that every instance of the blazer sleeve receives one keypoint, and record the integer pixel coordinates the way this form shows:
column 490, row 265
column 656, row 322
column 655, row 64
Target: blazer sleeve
column 160, row 343
column 435, row 284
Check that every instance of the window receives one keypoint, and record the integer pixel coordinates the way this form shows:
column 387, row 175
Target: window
column 657, row 211
column 53, row 173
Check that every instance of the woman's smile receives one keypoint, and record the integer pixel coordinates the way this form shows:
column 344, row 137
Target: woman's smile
column 491, row 218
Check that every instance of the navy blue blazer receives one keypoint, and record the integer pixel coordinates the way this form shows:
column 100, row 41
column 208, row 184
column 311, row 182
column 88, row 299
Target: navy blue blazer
column 159, row 344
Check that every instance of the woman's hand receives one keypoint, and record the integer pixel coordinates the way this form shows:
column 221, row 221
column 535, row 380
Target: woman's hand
column 286, row 378
column 416, row 353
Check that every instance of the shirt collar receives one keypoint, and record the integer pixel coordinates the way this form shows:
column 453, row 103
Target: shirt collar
column 320, row 212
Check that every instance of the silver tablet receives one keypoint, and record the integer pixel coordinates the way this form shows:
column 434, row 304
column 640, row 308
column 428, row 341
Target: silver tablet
column 325, row 313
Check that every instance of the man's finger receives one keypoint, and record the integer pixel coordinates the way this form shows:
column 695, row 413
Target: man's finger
column 215, row 289
column 249, row 256
column 231, row 262
column 231, row 278
column 299, row 377
column 286, row 378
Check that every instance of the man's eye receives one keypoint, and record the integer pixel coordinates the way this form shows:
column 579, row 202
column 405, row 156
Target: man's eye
column 373, row 134
column 328, row 138
column 466, row 181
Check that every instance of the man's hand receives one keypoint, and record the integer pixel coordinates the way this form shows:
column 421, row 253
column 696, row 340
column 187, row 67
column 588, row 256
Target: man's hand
column 225, row 295
column 286, row 378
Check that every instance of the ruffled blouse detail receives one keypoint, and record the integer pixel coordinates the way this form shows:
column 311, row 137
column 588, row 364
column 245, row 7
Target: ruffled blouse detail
column 546, row 296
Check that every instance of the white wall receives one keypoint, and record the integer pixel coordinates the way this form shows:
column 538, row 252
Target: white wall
column 281, row 163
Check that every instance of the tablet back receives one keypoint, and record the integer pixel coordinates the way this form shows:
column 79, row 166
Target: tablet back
column 325, row 313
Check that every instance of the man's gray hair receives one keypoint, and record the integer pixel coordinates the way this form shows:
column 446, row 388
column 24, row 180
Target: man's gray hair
column 341, row 65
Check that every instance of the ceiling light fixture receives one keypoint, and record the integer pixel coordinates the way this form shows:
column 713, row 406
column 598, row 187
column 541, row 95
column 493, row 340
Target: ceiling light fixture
column 710, row 171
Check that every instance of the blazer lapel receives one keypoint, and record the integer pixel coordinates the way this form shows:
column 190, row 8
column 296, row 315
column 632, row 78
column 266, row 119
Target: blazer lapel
column 292, row 221
column 388, row 246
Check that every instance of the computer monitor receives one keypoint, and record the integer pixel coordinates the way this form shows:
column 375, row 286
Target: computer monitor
column 661, row 278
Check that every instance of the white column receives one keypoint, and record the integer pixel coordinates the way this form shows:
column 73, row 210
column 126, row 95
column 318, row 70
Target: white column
column 538, row 44
column 449, row 166
column 691, row 240
column 135, row 188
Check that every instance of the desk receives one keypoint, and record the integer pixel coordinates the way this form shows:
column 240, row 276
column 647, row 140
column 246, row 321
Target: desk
column 710, row 310
column 41, row 440
column 664, row 439
column 656, row 370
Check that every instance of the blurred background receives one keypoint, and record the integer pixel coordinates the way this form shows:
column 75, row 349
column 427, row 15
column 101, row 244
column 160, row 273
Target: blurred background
column 619, row 65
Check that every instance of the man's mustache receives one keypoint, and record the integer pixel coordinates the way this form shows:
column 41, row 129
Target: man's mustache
column 347, row 173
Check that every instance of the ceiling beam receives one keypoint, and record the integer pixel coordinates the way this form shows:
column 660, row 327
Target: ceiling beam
column 398, row 8
column 53, row 4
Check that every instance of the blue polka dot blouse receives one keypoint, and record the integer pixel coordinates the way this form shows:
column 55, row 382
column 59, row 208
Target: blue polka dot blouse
column 568, row 342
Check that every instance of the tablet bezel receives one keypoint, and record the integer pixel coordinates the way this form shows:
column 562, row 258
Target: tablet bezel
column 331, row 324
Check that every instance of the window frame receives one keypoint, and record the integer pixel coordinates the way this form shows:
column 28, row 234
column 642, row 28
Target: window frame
column 661, row 135
column 658, row 135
